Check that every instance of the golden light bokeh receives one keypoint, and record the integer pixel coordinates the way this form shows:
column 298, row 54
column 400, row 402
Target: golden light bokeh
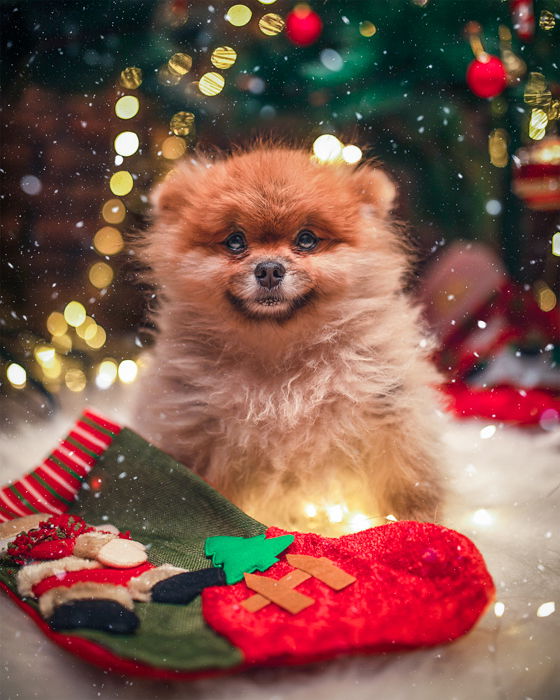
column 131, row 77
column 327, row 148
column 211, row 84
column 367, row 28
column 121, row 183
column 351, row 154
column 180, row 63
column 556, row 244
column 98, row 340
column 239, row 15
column 547, row 21
column 127, row 107
column 101, row 275
column 223, row 57
column 545, row 296
column 56, row 325
column 62, row 343
column 86, row 328
column 44, row 354
column 53, row 369
column 271, row 24
column 267, row 2
column 128, row 370
column 113, row 211
column 106, row 373
column 173, row 147
column 74, row 314
column 75, row 379
column 538, row 124
column 17, row 376
column 108, row 241
column 182, row 123
column 498, row 148
column 126, row 143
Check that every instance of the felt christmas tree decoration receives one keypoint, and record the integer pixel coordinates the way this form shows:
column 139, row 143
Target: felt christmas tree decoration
column 301, row 597
column 240, row 555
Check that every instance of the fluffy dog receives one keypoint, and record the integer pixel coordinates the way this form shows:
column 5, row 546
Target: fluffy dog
column 290, row 370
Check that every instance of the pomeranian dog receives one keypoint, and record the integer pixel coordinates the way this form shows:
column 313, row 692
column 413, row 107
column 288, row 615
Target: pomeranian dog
column 290, row 369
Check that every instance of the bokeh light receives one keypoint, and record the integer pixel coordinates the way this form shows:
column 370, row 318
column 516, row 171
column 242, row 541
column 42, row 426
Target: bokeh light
column 173, row 147
column 100, row 275
column 271, row 24
column 239, row 15
column 75, row 379
column 16, row 374
column 128, row 370
column 98, row 339
column 106, row 373
column 127, row 107
column 367, row 28
column 108, row 241
column 351, row 154
column 211, row 84
column 74, row 314
column 87, row 329
column 121, row 183
column 131, row 77
column 223, row 57
column 126, row 143
column 327, row 148
column 180, row 63
column 182, row 123
column 113, row 211
column 56, row 324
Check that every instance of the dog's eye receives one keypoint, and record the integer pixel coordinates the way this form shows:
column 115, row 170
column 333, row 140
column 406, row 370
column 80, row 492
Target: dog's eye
column 236, row 242
column 306, row 240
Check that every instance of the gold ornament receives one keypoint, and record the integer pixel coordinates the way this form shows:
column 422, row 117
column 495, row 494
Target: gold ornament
column 180, row 63
column 211, row 84
column 271, row 24
column 497, row 148
column 547, row 21
column 223, row 57
column 182, row 123
column 131, row 78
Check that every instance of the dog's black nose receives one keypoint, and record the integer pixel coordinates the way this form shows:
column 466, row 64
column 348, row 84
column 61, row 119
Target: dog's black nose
column 269, row 274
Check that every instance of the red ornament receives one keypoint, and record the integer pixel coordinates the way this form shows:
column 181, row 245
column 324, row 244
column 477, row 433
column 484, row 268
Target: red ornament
column 523, row 18
column 486, row 76
column 303, row 26
column 537, row 173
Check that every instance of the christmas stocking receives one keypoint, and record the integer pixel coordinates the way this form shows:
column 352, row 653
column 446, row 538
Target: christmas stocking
column 129, row 560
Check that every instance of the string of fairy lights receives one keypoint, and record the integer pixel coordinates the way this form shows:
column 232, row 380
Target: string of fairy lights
column 71, row 327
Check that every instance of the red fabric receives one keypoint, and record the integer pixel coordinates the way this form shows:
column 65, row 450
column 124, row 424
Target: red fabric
column 417, row 585
column 501, row 403
column 98, row 655
column 117, row 577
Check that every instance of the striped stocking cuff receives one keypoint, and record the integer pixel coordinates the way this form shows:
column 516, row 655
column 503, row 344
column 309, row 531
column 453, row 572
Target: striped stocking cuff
column 53, row 486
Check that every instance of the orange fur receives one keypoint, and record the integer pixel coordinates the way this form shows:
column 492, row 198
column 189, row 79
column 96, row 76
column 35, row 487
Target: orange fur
column 320, row 395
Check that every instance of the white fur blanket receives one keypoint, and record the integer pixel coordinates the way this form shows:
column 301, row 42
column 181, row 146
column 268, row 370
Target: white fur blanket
column 506, row 494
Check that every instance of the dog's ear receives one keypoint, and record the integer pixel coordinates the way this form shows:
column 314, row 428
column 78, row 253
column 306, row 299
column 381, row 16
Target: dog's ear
column 175, row 190
column 375, row 188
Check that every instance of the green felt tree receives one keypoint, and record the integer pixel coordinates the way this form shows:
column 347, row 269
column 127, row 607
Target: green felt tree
column 239, row 555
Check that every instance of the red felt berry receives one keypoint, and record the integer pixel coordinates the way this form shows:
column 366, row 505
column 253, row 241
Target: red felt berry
column 52, row 549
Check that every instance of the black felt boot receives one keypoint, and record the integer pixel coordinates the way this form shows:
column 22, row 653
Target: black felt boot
column 96, row 614
column 183, row 588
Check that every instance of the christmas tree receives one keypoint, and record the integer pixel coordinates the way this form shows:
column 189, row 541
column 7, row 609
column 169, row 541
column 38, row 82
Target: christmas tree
column 239, row 555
